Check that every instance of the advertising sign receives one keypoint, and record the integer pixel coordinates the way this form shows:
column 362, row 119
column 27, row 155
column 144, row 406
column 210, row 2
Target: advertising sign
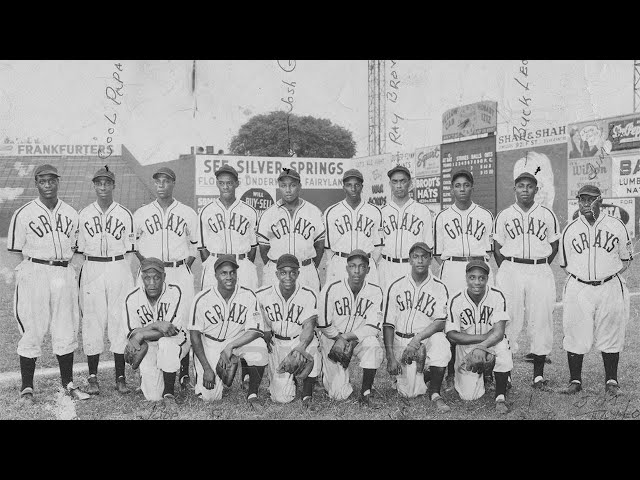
column 625, row 133
column 44, row 149
column 625, row 178
column 376, row 183
column 467, row 120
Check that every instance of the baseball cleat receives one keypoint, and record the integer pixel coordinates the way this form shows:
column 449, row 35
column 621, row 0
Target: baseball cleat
column 169, row 401
column 26, row 396
column 501, row 407
column 76, row 393
column 612, row 388
column 573, row 388
column 441, row 404
column 93, row 388
column 541, row 384
column 450, row 384
column 368, row 400
column 121, row 386
column 309, row 404
column 255, row 403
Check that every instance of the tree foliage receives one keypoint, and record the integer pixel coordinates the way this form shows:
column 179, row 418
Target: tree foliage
column 266, row 136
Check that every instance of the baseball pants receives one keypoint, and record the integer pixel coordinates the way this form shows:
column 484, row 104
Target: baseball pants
column 46, row 297
column 469, row 385
column 281, row 387
column 247, row 274
column 337, row 270
column 164, row 355
column 530, row 292
column 103, row 288
column 595, row 312
column 336, row 382
column 388, row 272
column 254, row 353
column 454, row 275
column 410, row 381
column 308, row 277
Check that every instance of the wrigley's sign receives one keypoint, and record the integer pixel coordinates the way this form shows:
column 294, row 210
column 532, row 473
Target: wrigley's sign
column 44, row 149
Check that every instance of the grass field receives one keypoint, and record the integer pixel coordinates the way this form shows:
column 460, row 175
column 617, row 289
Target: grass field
column 524, row 403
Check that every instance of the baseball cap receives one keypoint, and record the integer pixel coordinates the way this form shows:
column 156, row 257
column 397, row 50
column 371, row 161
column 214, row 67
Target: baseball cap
column 528, row 175
column 46, row 169
column 478, row 264
column 226, row 169
column 591, row 190
column 289, row 172
column 399, row 168
column 165, row 171
column 225, row 259
column 287, row 260
column 104, row 172
column 358, row 253
column 464, row 173
column 421, row 245
column 353, row 173
column 152, row 263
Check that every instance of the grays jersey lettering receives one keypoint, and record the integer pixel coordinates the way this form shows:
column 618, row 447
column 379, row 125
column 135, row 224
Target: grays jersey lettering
column 175, row 223
column 473, row 227
column 405, row 301
column 237, row 222
column 413, row 224
column 112, row 226
column 302, row 227
column 364, row 224
column 293, row 314
column 535, row 227
column 467, row 317
column 343, row 306
column 146, row 315
column 603, row 239
column 41, row 226
column 237, row 314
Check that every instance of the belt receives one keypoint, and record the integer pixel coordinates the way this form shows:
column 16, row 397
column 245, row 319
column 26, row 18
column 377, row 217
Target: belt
column 346, row 255
column 174, row 264
column 595, row 282
column 466, row 259
column 52, row 263
column 527, row 260
column 212, row 338
column 237, row 256
column 280, row 337
column 105, row 259
column 406, row 335
column 395, row 260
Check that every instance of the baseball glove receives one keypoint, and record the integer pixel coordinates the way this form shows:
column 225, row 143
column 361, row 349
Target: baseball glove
column 411, row 354
column 226, row 368
column 298, row 362
column 342, row 351
column 480, row 360
column 134, row 357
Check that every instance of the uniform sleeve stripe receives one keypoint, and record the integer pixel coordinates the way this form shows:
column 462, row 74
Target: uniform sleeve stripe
column 451, row 304
column 326, row 302
column 195, row 305
column 441, row 283
column 312, row 293
column 263, row 289
column 502, row 295
column 249, row 290
column 175, row 312
column 125, row 303
column 326, row 223
column 13, row 232
column 386, row 308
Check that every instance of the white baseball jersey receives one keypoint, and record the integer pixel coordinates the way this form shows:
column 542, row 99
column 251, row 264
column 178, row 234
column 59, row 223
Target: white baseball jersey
column 170, row 236
column 222, row 319
column 404, row 226
column 347, row 229
column 285, row 317
column 38, row 232
column 526, row 234
column 232, row 230
column 411, row 308
column 467, row 317
column 138, row 312
column 291, row 235
column 106, row 234
column 463, row 233
column 595, row 252
column 360, row 314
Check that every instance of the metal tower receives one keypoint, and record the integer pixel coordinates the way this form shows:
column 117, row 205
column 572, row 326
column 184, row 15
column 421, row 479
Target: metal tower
column 636, row 85
column 377, row 107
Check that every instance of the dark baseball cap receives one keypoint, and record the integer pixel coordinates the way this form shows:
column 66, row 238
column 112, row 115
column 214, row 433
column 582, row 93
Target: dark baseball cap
column 358, row 253
column 165, row 171
column 399, row 168
column 46, row 169
column 226, row 169
column 421, row 245
column 591, row 190
column 104, row 172
column 478, row 264
column 289, row 172
column 353, row 173
column 464, row 173
column 225, row 259
column 287, row 260
column 528, row 175
column 152, row 263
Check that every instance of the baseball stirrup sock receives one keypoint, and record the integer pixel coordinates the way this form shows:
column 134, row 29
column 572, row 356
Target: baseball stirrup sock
column 575, row 366
column 66, row 368
column 368, row 374
column 169, row 381
column 255, row 377
column 184, row 366
column 452, row 363
column 501, row 382
column 610, row 365
column 437, row 374
column 538, row 365
column 27, row 369
column 118, row 360
column 307, row 386
column 92, row 361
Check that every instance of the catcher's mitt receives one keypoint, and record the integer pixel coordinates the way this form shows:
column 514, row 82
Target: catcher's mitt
column 134, row 357
column 480, row 360
column 342, row 351
column 298, row 362
column 411, row 354
column 226, row 368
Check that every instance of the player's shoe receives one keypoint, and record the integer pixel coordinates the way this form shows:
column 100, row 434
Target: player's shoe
column 169, row 401
column 185, row 383
column 255, row 403
column 440, row 404
column 501, row 406
column 121, row 386
column 76, row 393
column 368, row 399
column 26, row 396
column 612, row 388
column 93, row 388
column 573, row 388
column 450, row 384
column 540, row 384
column 309, row 404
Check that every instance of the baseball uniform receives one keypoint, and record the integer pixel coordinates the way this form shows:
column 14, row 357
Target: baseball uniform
column 105, row 277
column 525, row 276
column 467, row 317
column 401, row 228
column 347, row 229
column 284, row 318
column 409, row 309
column 228, row 231
column 342, row 312
column 595, row 299
column 46, row 292
column 295, row 235
column 460, row 236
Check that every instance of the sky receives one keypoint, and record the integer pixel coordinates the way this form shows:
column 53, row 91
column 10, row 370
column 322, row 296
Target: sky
column 157, row 119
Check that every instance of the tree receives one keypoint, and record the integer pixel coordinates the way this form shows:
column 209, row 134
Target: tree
column 266, row 136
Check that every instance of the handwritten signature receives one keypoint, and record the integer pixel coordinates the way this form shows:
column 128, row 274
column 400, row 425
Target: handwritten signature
column 112, row 94
column 521, row 133
column 392, row 96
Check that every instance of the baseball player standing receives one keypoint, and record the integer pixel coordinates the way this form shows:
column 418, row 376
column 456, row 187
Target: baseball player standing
column 227, row 226
column 44, row 232
column 351, row 308
column 292, row 225
column 167, row 229
column 224, row 320
column 526, row 237
column 477, row 318
column 414, row 319
column 290, row 315
column 349, row 225
column 404, row 222
column 105, row 234
column 595, row 249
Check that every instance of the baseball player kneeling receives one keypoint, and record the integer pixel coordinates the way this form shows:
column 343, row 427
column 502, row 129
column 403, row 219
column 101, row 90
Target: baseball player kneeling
column 290, row 314
column 477, row 320
column 350, row 317
column 225, row 326
column 414, row 318
column 157, row 338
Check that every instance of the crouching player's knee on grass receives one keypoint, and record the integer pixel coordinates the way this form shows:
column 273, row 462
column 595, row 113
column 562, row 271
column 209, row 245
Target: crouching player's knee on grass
column 476, row 325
